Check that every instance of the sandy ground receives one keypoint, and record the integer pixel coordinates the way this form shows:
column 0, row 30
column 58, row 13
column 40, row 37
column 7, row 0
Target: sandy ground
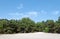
column 38, row 35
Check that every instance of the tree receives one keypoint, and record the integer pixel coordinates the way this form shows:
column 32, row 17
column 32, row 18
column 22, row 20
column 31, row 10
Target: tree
column 1, row 26
column 57, row 26
column 13, row 26
column 50, row 24
column 26, row 25
column 59, row 19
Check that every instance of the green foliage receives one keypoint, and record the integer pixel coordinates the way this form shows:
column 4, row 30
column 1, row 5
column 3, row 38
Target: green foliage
column 46, row 29
column 26, row 25
column 51, row 25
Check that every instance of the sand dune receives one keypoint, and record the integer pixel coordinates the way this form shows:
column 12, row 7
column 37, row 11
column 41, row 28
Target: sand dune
column 38, row 35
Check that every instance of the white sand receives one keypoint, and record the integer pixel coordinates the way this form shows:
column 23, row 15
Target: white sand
column 38, row 35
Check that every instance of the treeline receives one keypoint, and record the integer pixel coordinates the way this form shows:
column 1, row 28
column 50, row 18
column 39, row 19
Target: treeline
column 26, row 25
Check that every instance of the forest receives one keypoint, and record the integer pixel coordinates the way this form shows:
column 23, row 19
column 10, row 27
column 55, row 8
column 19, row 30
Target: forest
column 26, row 25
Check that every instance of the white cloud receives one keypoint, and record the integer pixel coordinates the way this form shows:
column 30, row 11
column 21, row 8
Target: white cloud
column 0, row 17
column 30, row 14
column 43, row 12
column 33, row 13
column 56, row 12
column 20, row 6
column 15, row 14
column 26, row 14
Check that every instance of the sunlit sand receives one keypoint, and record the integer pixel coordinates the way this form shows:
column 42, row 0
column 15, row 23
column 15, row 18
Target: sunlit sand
column 38, row 35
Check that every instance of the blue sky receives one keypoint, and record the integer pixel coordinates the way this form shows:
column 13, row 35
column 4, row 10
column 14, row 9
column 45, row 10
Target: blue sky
column 37, row 10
